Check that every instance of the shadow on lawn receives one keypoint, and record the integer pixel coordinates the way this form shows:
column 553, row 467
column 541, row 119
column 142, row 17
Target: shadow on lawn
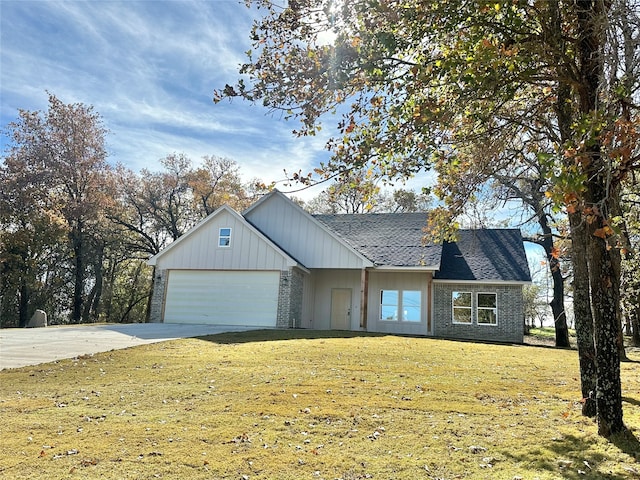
column 286, row 334
column 570, row 457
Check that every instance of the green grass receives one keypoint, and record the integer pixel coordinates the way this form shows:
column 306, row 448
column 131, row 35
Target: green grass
column 548, row 332
column 316, row 405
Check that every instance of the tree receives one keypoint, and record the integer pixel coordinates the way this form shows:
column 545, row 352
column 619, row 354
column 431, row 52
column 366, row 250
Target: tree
column 215, row 183
column 63, row 151
column 423, row 81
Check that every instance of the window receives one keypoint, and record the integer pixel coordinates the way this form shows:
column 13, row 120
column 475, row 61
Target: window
column 389, row 305
column 411, row 307
column 487, row 309
column 408, row 302
column 461, row 307
column 224, row 237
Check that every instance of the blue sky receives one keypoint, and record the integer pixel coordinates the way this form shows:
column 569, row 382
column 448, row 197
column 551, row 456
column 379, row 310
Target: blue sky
column 149, row 68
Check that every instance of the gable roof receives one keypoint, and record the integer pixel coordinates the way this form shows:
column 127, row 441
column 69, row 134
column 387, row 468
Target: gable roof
column 301, row 235
column 203, row 226
column 387, row 239
column 485, row 254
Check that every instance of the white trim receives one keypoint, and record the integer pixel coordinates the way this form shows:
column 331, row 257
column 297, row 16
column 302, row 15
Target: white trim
column 400, row 308
column 484, row 282
column 478, row 307
column 453, row 307
column 220, row 237
column 392, row 268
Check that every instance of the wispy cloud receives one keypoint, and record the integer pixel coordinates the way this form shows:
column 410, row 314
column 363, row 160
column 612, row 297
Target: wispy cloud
column 149, row 68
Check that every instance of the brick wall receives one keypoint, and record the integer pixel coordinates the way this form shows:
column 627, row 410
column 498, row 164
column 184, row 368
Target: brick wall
column 157, row 299
column 510, row 327
column 290, row 298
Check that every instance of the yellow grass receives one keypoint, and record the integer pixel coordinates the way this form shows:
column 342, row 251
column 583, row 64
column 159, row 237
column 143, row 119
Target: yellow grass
column 301, row 404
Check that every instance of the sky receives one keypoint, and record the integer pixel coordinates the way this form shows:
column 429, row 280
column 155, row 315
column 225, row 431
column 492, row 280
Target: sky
column 149, row 68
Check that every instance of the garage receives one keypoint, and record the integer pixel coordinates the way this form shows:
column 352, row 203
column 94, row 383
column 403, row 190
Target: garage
column 247, row 298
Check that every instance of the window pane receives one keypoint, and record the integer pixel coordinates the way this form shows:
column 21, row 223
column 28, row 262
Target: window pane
column 411, row 314
column 389, row 305
column 389, row 313
column 411, row 306
column 487, row 300
column 224, row 237
column 389, row 297
column 461, row 299
column 487, row 316
column 462, row 315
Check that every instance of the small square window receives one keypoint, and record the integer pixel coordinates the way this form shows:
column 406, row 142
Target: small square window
column 224, row 237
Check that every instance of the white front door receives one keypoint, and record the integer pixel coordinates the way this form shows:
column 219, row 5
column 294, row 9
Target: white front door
column 341, row 309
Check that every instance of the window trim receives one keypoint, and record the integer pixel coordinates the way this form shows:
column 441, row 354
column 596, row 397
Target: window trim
column 399, row 316
column 227, row 237
column 494, row 309
column 470, row 308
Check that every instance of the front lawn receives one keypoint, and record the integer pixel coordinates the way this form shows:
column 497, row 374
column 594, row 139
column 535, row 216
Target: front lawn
column 315, row 405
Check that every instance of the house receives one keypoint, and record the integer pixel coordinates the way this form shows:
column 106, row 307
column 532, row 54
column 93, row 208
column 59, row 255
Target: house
column 277, row 266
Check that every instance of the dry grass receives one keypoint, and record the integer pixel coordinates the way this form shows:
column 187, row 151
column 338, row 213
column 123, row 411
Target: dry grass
column 300, row 404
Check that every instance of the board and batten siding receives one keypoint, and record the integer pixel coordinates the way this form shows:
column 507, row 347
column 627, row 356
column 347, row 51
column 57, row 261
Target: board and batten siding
column 301, row 236
column 248, row 250
column 415, row 281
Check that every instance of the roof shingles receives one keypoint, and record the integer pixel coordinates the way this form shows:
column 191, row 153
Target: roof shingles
column 398, row 240
column 390, row 239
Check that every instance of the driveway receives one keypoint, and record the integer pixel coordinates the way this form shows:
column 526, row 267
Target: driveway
column 20, row 347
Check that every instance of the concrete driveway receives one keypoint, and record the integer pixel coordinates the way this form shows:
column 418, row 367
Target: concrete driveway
column 20, row 347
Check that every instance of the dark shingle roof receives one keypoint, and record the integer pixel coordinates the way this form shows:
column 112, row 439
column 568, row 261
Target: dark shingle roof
column 392, row 239
column 487, row 254
column 397, row 239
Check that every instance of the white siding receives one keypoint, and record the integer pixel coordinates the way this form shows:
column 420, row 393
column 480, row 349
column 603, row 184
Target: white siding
column 200, row 250
column 302, row 237
column 222, row 298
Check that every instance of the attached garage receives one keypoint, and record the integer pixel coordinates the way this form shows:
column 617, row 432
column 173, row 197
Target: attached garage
column 247, row 298
column 225, row 272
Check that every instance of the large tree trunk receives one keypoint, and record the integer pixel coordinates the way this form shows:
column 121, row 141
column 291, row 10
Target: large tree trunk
column 557, row 302
column 78, row 274
column 603, row 281
column 23, row 304
column 582, row 313
column 635, row 325
column 605, row 299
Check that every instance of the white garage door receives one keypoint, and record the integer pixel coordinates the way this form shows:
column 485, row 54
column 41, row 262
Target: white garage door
column 222, row 298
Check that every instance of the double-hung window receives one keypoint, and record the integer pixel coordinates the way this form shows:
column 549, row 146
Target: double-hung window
column 485, row 306
column 462, row 307
column 487, row 309
column 224, row 237
column 400, row 305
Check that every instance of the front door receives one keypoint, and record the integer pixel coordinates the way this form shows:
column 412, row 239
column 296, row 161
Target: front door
column 341, row 309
